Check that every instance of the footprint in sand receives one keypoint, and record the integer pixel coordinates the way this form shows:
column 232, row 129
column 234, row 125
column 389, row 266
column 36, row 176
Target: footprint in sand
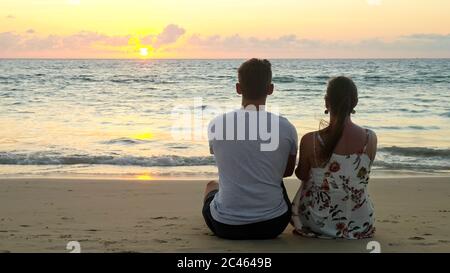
column 164, row 218
column 43, row 235
column 390, row 221
column 158, row 218
column 425, row 244
column 108, row 243
column 416, row 238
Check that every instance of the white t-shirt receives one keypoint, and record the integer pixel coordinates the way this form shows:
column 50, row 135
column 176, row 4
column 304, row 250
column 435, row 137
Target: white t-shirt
column 251, row 152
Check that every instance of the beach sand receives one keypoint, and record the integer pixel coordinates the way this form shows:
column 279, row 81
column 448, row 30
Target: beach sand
column 43, row 215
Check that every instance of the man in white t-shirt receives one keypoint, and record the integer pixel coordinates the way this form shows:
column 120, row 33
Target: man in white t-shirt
column 254, row 150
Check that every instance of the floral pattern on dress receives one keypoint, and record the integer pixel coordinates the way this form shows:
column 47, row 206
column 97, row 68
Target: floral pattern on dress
column 335, row 203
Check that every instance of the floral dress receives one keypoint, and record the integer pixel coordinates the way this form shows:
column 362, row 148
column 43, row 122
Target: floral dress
column 335, row 203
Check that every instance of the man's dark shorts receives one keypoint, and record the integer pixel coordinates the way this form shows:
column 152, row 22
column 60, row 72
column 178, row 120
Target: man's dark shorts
column 262, row 230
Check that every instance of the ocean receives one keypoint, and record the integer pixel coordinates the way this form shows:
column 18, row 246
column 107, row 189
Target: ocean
column 116, row 118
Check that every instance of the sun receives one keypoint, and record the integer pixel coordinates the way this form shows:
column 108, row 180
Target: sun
column 143, row 51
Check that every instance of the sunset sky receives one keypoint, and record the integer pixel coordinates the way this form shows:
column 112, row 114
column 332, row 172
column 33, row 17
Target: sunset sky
column 224, row 28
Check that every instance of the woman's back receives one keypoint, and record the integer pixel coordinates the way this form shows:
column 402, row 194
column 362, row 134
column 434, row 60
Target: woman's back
column 334, row 201
column 353, row 140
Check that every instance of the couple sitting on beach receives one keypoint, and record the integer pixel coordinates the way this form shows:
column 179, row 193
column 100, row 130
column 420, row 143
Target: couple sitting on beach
column 250, row 200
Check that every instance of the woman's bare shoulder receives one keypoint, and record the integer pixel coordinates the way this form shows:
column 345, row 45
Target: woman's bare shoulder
column 373, row 139
column 307, row 143
column 371, row 133
column 308, row 137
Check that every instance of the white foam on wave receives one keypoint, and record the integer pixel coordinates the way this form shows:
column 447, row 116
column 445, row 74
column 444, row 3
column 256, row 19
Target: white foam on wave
column 416, row 151
column 391, row 158
column 45, row 158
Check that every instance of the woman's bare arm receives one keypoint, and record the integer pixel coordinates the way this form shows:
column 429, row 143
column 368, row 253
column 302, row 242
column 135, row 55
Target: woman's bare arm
column 372, row 146
column 304, row 166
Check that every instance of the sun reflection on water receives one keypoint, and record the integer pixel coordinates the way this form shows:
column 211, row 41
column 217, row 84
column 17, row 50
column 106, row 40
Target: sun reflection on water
column 144, row 136
column 145, row 177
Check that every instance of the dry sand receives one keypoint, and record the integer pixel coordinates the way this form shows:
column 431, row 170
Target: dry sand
column 43, row 215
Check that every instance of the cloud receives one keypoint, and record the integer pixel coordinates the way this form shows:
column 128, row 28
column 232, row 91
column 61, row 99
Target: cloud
column 83, row 42
column 172, row 42
column 169, row 35
column 419, row 44
column 17, row 42
column 9, row 40
column 238, row 42
column 291, row 46
column 427, row 37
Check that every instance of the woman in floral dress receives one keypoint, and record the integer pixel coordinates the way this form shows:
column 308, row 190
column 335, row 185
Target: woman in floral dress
column 335, row 163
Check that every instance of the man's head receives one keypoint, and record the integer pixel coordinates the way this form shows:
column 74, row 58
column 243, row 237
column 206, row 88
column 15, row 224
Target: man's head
column 255, row 79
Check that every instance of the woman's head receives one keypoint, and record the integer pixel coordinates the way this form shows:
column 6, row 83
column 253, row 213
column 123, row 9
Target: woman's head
column 340, row 101
column 341, row 97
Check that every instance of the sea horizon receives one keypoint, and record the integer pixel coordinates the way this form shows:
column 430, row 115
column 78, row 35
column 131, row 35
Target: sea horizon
column 230, row 59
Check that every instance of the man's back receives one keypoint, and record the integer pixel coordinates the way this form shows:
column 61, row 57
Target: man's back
column 251, row 155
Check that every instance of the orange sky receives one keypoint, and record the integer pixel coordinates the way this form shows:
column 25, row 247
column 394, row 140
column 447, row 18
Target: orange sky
column 224, row 28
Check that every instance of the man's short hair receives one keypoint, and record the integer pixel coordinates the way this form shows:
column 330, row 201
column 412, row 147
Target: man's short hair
column 255, row 77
